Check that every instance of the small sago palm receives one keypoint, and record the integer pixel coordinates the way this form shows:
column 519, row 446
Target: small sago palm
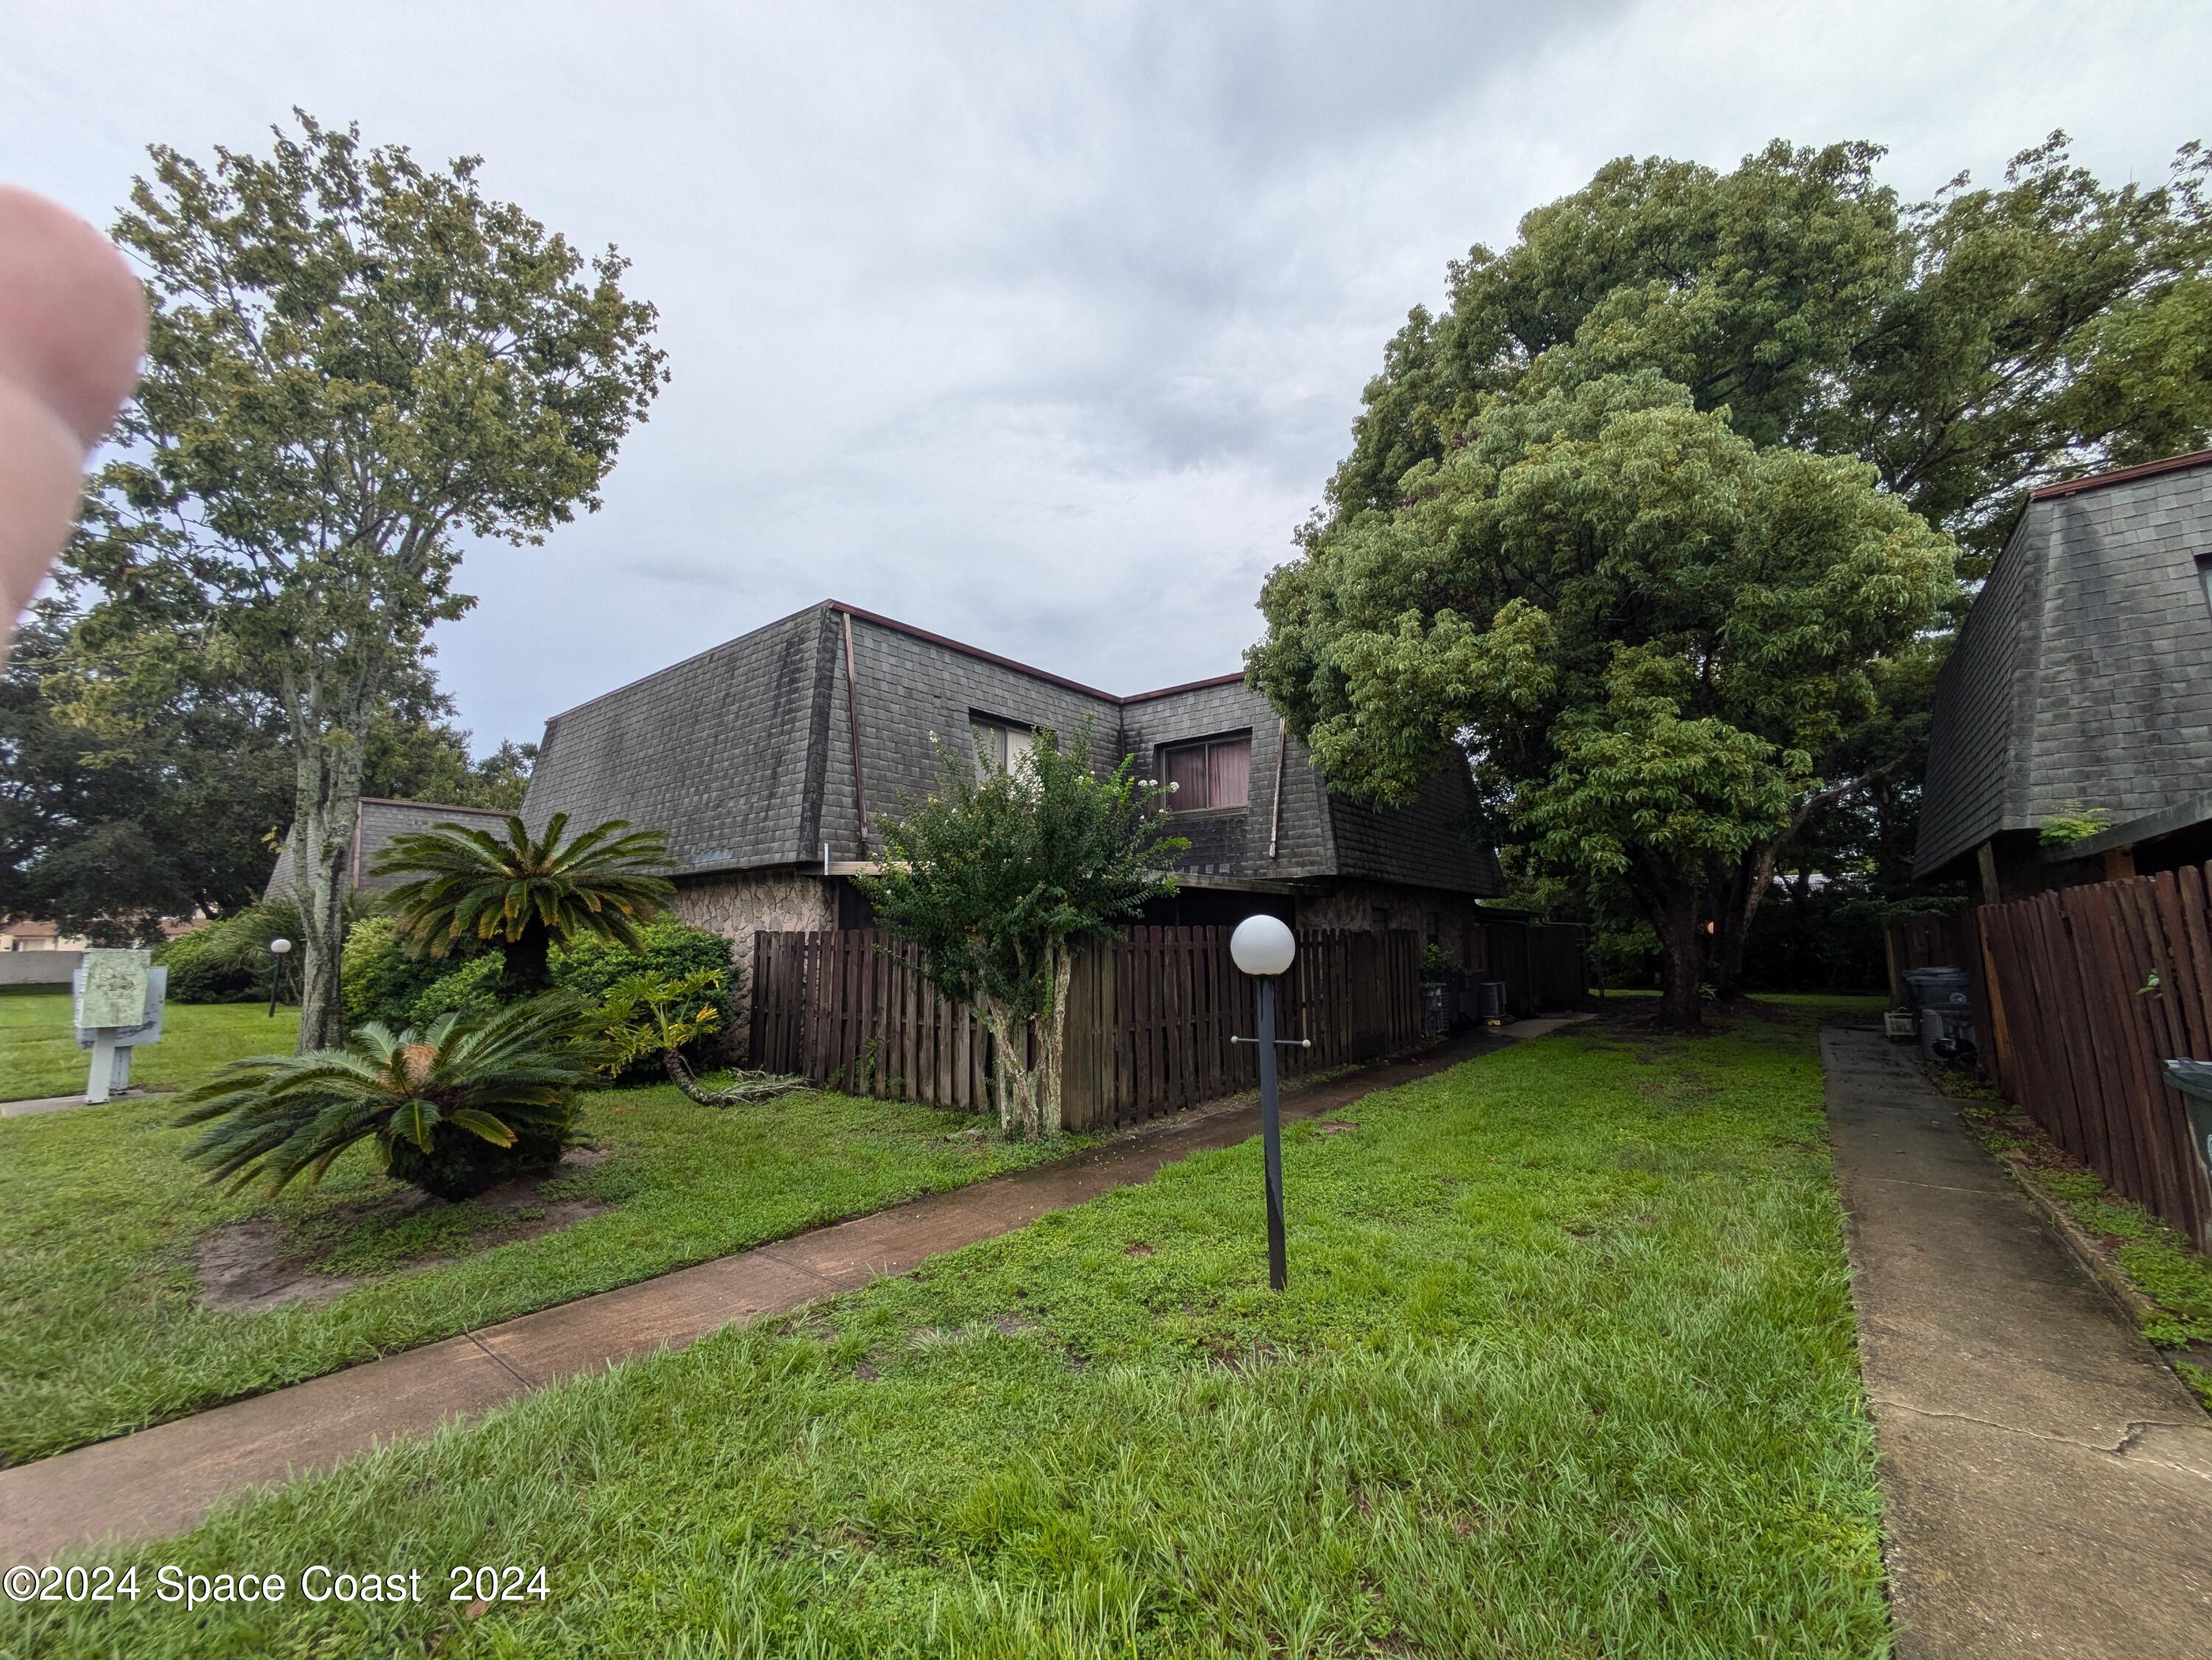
column 451, row 1109
column 526, row 893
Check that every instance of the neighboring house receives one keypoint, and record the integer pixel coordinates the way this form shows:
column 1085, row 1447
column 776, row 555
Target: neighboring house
column 2082, row 681
column 39, row 937
column 766, row 759
column 381, row 819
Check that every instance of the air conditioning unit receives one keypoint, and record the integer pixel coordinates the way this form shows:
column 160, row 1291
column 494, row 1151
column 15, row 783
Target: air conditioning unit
column 1491, row 999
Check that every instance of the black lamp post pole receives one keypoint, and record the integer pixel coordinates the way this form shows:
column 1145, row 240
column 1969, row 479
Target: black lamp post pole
column 1271, row 1134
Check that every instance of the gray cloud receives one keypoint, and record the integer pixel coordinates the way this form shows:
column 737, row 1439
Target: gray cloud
column 1040, row 326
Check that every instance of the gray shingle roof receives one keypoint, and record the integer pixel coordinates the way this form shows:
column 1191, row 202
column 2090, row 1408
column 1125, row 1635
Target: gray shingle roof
column 381, row 819
column 2083, row 673
column 743, row 755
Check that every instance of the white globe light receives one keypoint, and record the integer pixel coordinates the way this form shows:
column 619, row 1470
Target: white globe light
column 1262, row 945
column 280, row 945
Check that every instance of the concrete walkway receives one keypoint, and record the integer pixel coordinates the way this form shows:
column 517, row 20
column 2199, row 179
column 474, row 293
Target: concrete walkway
column 61, row 1103
column 2047, row 1480
column 162, row 1481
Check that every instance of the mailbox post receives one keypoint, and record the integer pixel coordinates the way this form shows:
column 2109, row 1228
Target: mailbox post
column 118, row 998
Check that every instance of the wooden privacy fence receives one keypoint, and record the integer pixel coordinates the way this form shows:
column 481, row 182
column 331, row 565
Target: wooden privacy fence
column 1149, row 1018
column 1936, row 941
column 1542, row 964
column 2079, row 996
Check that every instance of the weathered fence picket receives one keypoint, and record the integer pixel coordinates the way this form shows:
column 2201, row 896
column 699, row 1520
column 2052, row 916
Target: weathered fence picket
column 1150, row 1020
column 2080, row 995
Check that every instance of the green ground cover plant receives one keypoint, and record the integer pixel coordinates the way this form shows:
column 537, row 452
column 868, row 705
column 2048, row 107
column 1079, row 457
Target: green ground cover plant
column 101, row 1222
column 38, row 1054
column 1566, row 1367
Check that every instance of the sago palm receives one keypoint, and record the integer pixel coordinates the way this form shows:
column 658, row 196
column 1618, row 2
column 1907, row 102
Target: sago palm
column 525, row 893
column 450, row 1109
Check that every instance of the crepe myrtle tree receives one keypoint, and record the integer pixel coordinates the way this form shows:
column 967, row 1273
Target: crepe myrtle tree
column 996, row 877
column 355, row 362
column 1638, row 625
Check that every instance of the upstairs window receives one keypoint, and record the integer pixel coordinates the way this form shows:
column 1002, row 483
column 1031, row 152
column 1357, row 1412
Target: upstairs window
column 998, row 744
column 1215, row 774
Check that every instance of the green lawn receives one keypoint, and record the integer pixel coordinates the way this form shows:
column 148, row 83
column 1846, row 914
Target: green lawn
column 1566, row 1368
column 38, row 1054
column 100, row 1328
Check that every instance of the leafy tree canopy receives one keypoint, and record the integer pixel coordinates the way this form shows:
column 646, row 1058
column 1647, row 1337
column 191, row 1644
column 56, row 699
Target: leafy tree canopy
column 107, row 839
column 999, row 873
column 1967, row 348
column 1650, row 520
column 355, row 360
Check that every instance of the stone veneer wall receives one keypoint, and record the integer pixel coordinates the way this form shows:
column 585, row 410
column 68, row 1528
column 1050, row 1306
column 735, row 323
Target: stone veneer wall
column 1352, row 905
column 743, row 903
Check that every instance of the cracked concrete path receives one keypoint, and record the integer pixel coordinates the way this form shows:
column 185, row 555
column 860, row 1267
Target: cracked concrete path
column 162, row 1481
column 2046, row 1479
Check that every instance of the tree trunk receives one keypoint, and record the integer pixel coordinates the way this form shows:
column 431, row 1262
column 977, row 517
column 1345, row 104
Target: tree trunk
column 326, row 807
column 326, row 811
column 1051, row 1035
column 1738, row 902
column 526, row 961
column 1682, row 962
column 1011, row 1084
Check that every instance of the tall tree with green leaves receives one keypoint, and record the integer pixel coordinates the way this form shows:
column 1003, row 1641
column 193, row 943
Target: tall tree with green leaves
column 1644, row 625
column 1959, row 352
column 355, row 362
column 998, row 876
column 109, row 833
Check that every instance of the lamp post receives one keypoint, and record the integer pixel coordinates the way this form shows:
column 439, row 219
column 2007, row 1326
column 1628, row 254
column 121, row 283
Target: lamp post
column 1262, row 946
column 277, row 948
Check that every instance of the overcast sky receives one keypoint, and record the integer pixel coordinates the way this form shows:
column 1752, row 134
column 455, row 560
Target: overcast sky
column 1040, row 326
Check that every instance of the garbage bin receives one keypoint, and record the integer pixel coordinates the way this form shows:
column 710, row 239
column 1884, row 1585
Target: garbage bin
column 1939, row 996
column 2194, row 1080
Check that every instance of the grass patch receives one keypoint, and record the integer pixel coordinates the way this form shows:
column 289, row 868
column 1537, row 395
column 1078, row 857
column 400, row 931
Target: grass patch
column 2154, row 1254
column 38, row 1054
column 1566, row 1367
column 100, row 1330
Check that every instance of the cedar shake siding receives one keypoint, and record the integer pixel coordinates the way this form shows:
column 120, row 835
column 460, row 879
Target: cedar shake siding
column 2083, row 673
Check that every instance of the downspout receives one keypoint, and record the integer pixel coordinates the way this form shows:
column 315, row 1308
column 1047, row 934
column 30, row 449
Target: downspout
column 1275, row 806
column 853, row 732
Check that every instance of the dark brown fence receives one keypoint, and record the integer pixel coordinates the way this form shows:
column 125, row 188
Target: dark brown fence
column 850, row 1009
column 1930, row 942
column 1542, row 964
column 2079, row 995
column 1150, row 1018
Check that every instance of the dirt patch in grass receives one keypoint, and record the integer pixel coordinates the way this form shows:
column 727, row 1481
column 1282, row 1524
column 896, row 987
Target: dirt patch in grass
column 253, row 1266
column 243, row 1270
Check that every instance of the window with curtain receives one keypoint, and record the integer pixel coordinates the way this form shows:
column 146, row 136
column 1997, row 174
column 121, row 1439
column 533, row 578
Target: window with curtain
column 1214, row 775
column 999, row 743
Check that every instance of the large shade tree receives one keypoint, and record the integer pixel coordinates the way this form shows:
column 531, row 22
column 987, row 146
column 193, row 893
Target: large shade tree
column 1643, row 625
column 108, row 833
column 1958, row 352
column 356, row 362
